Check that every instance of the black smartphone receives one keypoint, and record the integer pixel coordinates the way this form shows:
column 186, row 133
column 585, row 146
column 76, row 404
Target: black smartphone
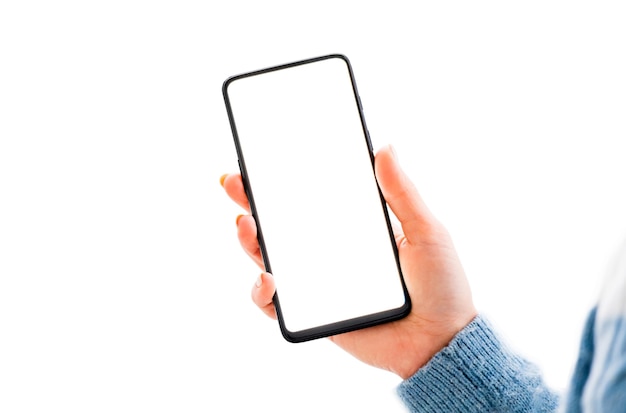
column 307, row 164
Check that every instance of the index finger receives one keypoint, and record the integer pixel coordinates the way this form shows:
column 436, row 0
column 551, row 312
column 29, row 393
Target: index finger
column 233, row 185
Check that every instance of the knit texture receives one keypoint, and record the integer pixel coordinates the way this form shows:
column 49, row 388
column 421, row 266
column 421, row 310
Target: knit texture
column 476, row 372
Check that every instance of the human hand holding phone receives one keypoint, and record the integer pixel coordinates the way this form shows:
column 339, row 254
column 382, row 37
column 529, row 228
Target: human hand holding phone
column 440, row 293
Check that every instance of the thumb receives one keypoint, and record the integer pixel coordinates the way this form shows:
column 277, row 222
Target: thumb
column 402, row 196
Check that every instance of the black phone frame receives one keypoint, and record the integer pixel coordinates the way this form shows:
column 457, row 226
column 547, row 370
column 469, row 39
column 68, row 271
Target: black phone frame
column 342, row 326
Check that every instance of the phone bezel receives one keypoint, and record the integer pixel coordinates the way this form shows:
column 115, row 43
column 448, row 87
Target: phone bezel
column 342, row 326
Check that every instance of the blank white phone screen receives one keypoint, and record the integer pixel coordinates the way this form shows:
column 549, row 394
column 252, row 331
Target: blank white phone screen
column 313, row 185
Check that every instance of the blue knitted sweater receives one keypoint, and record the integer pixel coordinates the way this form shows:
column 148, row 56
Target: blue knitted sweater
column 476, row 372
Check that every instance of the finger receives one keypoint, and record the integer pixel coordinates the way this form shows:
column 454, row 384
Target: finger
column 263, row 294
column 402, row 196
column 247, row 234
column 398, row 235
column 233, row 185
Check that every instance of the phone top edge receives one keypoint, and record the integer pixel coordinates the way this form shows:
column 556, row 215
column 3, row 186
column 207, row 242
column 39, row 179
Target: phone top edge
column 231, row 79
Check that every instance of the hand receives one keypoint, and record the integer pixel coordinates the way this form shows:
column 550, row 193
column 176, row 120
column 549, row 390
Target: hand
column 440, row 293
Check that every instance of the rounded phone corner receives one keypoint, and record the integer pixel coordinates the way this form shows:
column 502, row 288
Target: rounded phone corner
column 293, row 336
column 405, row 310
column 340, row 56
column 290, row 337
column 227, row 83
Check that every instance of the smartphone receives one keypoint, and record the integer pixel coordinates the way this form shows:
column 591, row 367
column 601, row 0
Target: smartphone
column 307, row 165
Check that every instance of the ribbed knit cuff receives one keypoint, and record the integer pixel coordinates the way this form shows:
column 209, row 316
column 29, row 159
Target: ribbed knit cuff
column 476, row 372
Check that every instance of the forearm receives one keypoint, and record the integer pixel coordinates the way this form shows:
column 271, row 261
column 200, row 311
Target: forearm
column 476, row 372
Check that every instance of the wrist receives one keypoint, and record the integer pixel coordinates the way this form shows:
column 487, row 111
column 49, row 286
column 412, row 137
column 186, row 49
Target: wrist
column 422, row 347
column 477, row 372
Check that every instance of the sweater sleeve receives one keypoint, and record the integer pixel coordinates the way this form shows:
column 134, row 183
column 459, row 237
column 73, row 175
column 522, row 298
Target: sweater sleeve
column 476, row 372
column 603, row 387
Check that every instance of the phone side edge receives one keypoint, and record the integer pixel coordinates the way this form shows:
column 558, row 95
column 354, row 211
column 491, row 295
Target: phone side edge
column 243, row 170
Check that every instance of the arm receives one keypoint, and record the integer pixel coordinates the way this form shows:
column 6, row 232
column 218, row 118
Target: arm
column 480, row 372
column 476, row 372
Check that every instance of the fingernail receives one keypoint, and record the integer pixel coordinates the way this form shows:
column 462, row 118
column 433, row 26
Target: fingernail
column 238, row 218
column 222, row 179
column 259, row 281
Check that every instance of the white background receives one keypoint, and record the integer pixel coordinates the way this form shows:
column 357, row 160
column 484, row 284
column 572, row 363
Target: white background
column 122, row 286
